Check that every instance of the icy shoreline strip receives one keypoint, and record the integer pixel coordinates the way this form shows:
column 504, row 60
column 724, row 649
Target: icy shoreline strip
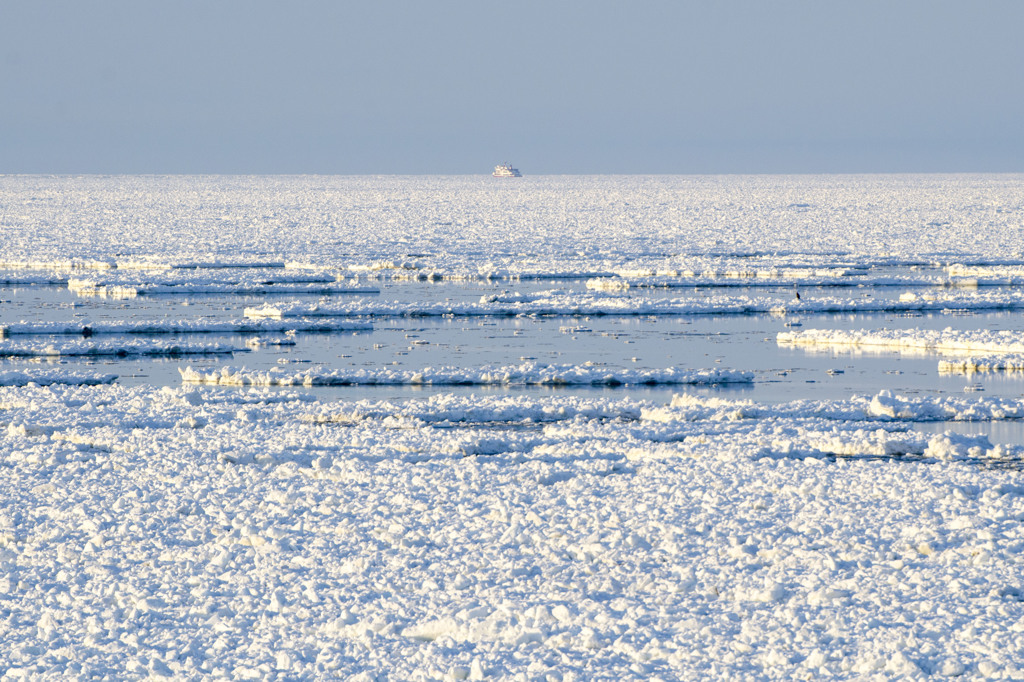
column 947, row 340
column 178, row 327
column 135, row 347
column 529, row 374
column 52, row 377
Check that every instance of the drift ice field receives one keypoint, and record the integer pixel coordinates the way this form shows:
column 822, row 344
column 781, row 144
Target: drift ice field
column 548, row 428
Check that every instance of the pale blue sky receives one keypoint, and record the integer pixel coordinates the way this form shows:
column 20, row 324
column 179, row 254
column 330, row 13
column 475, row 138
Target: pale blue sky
column 324, row 86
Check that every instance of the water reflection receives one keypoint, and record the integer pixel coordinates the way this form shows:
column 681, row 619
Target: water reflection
column 998, row 432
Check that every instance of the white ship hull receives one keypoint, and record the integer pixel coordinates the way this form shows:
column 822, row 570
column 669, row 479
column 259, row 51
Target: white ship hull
column 506, row 171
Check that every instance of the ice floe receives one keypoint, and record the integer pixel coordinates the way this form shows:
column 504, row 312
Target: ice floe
column 948, row 340
column 884, row 406
column 176, row 326
column 1003, row 274
column 84, row 287
column 1013, row 362
column 51, row 376
column 1004, row 348
column 775, row 278
column 615, row 303
column 527, row 374
column 126, row 348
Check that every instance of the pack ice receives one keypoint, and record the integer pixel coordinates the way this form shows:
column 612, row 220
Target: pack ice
column 529, row 521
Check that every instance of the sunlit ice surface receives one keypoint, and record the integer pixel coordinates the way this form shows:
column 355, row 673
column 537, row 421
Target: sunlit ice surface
column 451, row 427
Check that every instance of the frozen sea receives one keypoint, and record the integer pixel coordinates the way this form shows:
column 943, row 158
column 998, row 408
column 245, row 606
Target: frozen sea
column 544, row 428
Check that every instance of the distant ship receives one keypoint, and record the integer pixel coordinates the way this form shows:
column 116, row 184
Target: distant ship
column 505, row 170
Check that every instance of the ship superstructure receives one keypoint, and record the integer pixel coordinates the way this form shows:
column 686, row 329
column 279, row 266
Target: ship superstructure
column 505, row 170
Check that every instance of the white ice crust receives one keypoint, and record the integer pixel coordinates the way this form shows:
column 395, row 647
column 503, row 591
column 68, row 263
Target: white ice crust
column 1008, row 363
column 426, row 227
column 527, row 374
column 175, row 326
column 50, row 376
column 204, row 532
column 948, row 340
column 194, row 285
column 123, row 348
column 612, row 302
column 208, row 532
column 1004, row 348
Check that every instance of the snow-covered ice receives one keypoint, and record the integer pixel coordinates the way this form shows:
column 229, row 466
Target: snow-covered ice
column 165, row 327
column 129, row 347
column 610, row 301
column 491, row 516
column 308, row 286
column 203, row 532
column 1004, row 348
column 948, row 340
column 1009, row 362
column 527, row 374
column 51, row 376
